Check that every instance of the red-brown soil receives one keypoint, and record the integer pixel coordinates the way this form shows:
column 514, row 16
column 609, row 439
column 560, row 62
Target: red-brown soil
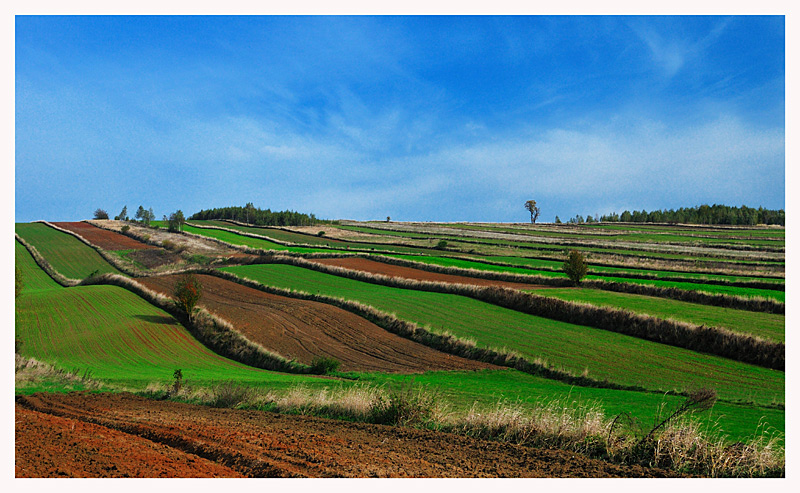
column 107, row 435
column 384, row 269
column 50, row 446
column 107, row 240
column 304, row 330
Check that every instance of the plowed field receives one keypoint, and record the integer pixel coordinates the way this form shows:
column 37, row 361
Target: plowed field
column 108, row 435
column 390, row 270
column 107, row 240
column 304, row 330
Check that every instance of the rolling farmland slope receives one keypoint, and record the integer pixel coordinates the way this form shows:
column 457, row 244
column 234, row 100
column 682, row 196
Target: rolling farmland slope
column 604, row 355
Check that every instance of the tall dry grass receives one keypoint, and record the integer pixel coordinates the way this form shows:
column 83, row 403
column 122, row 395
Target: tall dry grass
column 30, row 372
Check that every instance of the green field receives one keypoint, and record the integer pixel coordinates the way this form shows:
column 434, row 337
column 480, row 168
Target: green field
column 115, row 335
column 606, row 355
column 65, row 253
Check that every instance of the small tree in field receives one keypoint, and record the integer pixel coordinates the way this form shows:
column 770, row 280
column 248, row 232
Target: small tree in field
column 575, row 266
column 187, row 293
column 100, row 214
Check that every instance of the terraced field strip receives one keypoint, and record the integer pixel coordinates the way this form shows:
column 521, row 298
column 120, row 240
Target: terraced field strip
column 494, row 246
column 291, row 237
column 689, row 286
column 486, row 388
column 304, row 330
column 389, row 270
column 33, row 278
column 766, row 325
column 248, row 241
column 107, row 240
column 64, row 252
column 651, row 236
column 278, row 234
column 545, row 267
column 605, row 355
column 115, row 335
column 768, row 232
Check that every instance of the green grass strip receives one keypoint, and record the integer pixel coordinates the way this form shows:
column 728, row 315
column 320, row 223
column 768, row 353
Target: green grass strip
column 65, row 253
column 607, row 355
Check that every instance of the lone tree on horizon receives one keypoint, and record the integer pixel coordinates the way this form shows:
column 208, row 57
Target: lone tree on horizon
column 531, row 207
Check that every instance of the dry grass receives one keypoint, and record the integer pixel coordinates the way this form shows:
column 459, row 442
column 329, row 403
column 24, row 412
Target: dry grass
column 31, row 372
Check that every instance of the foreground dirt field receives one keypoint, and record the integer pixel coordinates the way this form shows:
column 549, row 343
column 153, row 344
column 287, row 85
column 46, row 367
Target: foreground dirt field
column 375, row 267
column 306, row 329
column 121, row 435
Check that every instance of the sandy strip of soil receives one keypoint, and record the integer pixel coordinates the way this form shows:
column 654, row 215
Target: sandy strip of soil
column 375, row 267
column 107, row 240
column 261, row 444
column 304, row 330
column 50, row 446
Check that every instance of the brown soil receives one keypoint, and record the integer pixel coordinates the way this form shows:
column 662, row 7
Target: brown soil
column 374, row 267
column 304, row 330
column 107, row 240
column 50, row 446
column 106, row 435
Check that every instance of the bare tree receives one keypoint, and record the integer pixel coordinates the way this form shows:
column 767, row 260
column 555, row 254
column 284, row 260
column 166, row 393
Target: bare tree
column 531, row 207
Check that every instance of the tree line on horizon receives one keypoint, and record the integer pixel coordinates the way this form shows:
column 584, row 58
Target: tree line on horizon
column 253, row 215
column 704, row 214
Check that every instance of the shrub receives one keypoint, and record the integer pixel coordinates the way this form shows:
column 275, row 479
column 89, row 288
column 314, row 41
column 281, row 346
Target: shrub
column 322, row 365
column 441, row 245
column 178, row 376
column 100, row 214
column 187, row 293
column 125, row 228
column 575, row 266
column 321, row 233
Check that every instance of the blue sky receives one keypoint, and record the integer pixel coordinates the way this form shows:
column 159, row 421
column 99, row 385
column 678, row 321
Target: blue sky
column 453, row 118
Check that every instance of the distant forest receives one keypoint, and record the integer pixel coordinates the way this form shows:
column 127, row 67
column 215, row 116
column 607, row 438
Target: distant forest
column 704, row 214
column 259, row 217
